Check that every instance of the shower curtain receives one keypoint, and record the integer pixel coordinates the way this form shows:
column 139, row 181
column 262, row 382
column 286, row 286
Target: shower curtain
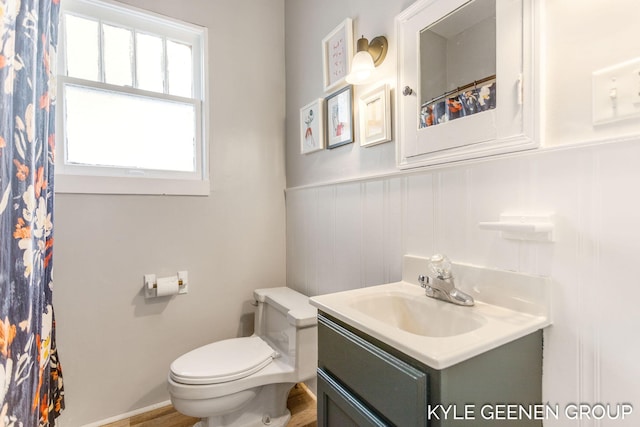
column 31, row 391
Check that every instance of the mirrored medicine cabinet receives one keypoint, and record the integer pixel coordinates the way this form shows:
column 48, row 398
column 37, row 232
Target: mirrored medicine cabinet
column 466, row 80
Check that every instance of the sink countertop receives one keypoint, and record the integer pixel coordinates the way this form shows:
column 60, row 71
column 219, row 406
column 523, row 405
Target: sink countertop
column 507, row 318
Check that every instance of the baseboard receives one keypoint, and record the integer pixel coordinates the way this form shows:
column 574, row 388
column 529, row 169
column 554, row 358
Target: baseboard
column 126, row 415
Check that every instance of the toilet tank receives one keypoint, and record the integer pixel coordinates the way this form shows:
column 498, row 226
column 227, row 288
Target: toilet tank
column 287, row 321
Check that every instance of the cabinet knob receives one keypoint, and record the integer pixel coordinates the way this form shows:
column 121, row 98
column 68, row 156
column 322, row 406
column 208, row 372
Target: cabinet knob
column 407, row 91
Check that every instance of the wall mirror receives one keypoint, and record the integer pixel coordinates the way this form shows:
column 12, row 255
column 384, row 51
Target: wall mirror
column 458, row 64
column 466, row 72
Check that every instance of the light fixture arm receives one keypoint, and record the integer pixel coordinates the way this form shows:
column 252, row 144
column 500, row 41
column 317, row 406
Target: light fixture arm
column 367, row 57
column 377, row 49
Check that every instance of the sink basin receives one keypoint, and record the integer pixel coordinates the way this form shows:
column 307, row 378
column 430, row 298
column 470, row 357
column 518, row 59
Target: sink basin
column 419, row 315
column 439, row 334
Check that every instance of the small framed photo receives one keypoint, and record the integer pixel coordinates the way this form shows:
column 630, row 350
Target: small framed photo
column 337, row 51
column 375, row 116
column 312, row 127
column 340, row 117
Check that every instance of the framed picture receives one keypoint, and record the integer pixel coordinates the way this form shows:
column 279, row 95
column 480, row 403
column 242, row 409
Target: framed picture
column 337, row 51
column 375, row 116
column 340, row 117
column 312, row 127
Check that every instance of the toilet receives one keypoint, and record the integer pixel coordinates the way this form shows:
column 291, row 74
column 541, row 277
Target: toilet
column 246, row 381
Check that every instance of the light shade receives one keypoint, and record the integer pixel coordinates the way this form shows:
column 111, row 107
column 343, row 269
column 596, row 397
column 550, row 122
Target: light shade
column 361, row 68
column 367, row 58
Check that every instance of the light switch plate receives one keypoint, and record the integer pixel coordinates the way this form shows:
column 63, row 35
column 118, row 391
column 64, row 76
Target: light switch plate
column 616, row 92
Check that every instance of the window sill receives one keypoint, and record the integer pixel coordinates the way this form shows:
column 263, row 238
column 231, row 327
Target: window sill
column 83, row 184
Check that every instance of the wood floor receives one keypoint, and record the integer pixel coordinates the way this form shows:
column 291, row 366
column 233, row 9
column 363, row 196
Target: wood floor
column 301, row 403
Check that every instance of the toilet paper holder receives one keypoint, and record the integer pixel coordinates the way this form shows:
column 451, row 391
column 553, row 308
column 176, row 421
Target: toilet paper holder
column 151, row 283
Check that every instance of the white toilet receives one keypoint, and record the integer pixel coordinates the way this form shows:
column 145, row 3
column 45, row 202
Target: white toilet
column 245, row 381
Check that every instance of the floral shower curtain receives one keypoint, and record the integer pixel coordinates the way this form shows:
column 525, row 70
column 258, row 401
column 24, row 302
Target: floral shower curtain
column 31, row 392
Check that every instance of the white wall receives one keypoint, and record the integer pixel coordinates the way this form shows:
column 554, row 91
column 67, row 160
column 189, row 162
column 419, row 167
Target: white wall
column 352, row 235
column 115, row 346
column 353, row 232
column 582, row 37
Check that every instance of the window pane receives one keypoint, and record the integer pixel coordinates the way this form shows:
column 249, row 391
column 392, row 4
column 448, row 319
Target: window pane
column 117, row 55
column 149, row 62
column 115, row 129
column 179, row 69
column 82, row 48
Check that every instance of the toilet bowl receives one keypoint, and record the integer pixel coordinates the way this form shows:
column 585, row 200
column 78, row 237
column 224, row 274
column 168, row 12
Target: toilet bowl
column 243, row 382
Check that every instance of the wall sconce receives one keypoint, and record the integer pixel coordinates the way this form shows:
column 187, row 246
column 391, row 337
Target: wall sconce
column 367, row 57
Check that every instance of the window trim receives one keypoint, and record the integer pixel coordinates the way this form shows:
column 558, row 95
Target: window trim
column 71, row 178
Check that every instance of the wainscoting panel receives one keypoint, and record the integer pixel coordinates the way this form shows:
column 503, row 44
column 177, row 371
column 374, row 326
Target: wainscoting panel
column 354, row 234
column 419, row 214
column 349, row 233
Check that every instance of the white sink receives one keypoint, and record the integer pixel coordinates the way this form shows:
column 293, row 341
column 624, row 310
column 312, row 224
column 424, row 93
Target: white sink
column 418, row 315
column 440, row 334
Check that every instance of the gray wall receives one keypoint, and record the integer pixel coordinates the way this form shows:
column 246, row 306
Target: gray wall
column 433, row 66
column 115, row 346
column 576, row 39
column 307, row 23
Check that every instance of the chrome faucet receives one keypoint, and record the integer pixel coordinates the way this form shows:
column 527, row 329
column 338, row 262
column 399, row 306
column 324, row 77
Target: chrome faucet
column 439, row 283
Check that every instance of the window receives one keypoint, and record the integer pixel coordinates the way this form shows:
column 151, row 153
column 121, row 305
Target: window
column 131, row 105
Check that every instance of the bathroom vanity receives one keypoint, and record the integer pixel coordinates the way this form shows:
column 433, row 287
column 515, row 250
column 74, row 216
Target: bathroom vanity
column 389, row 355
column 365, row 382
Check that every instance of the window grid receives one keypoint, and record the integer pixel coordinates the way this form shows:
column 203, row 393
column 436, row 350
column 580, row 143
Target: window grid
column 134, row 55
column 101, row 74
column 165, row 64
column 102, row 78
column 193, row 69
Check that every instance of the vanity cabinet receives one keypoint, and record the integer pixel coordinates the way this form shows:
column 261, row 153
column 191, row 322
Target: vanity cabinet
column 364, row 382
column 467, row 80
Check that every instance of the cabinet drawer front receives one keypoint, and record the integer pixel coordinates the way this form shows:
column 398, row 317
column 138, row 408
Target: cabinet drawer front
column 397, row 390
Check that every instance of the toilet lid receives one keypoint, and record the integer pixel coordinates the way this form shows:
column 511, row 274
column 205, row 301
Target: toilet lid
column 222, row 361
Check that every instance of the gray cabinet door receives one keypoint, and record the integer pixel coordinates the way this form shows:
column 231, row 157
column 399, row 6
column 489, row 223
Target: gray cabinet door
column 396, row 390
column 338, row 408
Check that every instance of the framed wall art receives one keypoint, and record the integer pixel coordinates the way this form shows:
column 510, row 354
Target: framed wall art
column 337, row 51
column 340, row 117
column 312, row 127
column 375, row 116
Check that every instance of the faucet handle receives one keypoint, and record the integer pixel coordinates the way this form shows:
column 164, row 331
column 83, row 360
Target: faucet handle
column 440, row 266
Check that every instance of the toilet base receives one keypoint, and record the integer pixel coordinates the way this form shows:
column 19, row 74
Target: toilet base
column 280, row 421
column 268, row 407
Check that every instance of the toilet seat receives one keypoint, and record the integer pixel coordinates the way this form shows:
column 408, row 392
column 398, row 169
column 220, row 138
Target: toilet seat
column 222, row 361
